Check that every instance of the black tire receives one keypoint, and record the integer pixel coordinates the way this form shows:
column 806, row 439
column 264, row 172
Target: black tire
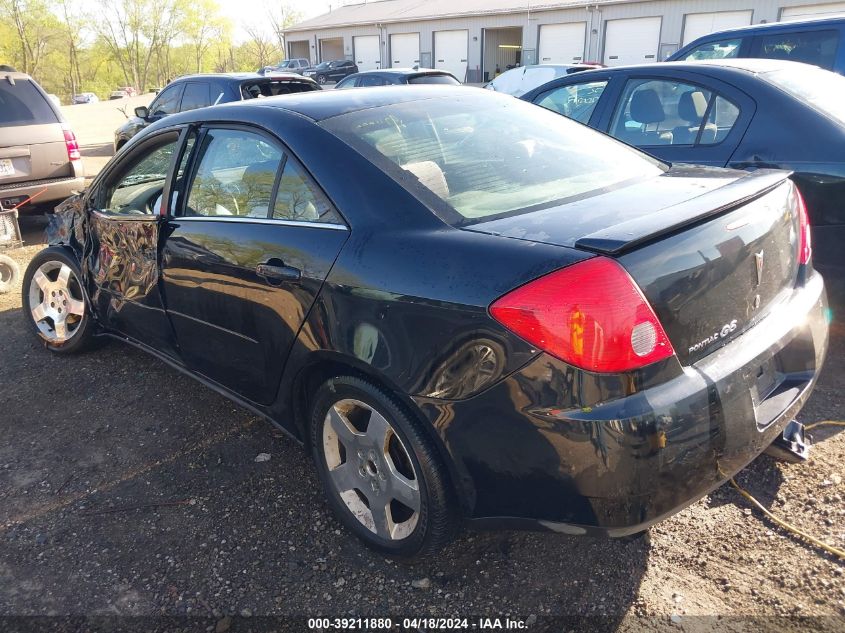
column 321, row 79
column 437, row 519
column 10, row 273
column 83, row 328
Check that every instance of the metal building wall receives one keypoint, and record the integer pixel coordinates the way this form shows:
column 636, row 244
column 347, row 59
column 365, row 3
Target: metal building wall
column 672, row 12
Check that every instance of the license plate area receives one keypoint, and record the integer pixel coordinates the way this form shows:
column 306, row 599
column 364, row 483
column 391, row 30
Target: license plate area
column 7, row 168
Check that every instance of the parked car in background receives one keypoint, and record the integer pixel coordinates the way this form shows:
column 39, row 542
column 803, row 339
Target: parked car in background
column 296, row 65
column 740, row 113
column 517, row 81
column 394, row 76
column 120, row 93
column 198, row 91
column 331, row 71
column 39, row 154
column 820, row 42
column 84, row 97
column 490, row 312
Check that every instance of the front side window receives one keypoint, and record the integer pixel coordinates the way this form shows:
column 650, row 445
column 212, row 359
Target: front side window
column 665, row 112
column 724, row 49
column 471, row 157
column 137, row 189
column 235, row 175
column 168, row 101
column 576, row 101
column 811, row 47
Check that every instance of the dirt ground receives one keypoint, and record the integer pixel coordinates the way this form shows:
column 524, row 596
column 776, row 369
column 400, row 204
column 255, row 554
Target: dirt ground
column 127, row 488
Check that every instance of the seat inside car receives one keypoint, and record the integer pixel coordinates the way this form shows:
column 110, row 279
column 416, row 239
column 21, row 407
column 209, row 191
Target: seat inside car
column 646, row 109
column 692, row 106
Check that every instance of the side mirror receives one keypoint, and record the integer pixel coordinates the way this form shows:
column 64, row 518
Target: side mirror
column 142, row 112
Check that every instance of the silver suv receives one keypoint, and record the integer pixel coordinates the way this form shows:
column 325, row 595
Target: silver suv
column 38, row 151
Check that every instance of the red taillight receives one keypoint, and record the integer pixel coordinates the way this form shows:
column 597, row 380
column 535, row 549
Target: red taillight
column 71, row 144
column 591, row 315
column 805, row 243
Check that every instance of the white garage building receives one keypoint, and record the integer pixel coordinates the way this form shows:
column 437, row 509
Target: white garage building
column 476, row 38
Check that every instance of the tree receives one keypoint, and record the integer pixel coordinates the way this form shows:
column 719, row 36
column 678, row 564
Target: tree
column 280, row 17
column 35, row 27
column 203, row 28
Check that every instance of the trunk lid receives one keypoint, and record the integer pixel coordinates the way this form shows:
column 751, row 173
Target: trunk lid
column 32, row 143
column 713, row 251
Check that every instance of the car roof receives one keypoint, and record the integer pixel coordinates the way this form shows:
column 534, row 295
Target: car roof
column 776, row 26
column 15, row 74
column 404, row 71
column 749, row 65
column 237, row 77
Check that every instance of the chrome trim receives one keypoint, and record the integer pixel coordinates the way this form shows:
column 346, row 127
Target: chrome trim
column 204, row 218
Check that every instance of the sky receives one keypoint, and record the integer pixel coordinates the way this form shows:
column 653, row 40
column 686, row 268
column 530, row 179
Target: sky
column 245, row 11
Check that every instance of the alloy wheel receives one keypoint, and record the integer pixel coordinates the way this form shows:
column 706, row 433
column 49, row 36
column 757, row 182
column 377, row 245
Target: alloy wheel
column 56, row 302
column 371, row 470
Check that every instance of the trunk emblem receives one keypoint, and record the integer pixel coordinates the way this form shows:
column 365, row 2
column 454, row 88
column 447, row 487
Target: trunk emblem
column 758, row 260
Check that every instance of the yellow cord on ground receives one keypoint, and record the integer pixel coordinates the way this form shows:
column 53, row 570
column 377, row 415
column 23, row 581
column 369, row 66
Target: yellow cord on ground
column 787, row 526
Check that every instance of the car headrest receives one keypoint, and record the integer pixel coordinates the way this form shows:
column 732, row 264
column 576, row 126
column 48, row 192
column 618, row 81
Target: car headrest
column 692, row 106
column 646, row 107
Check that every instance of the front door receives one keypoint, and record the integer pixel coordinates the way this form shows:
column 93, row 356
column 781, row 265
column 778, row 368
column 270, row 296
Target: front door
column 124, row 225
column 246, row 254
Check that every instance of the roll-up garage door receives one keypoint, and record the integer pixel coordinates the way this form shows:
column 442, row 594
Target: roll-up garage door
column 367, row 52
column 812, row 11
column 404, row 50
column 450, row 52
column 699, row 24
column 631, row 41
column 562, row 43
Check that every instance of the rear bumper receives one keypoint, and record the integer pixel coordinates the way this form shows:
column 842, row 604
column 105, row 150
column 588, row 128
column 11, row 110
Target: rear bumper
column 528, row 452
column 57, row 189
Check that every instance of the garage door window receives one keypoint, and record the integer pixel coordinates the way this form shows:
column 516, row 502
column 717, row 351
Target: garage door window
column 662, row 112
column 576, row 102
column 725, row 49
column 811, row 47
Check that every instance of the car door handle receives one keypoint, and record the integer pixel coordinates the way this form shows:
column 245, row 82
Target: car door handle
column 278, row 272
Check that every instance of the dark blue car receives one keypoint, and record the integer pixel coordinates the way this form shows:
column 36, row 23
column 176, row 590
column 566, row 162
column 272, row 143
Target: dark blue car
column 817, row 42
column 739, row 113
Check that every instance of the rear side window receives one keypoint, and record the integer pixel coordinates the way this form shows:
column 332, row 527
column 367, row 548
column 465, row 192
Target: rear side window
column 21, row 103
column 810, row 47
column 298, row 199
column 434, row 79
column 370, row 80
column 197, row 95
column 273, row 88
column 724, row 49
column 574, row 101
column 665, row 112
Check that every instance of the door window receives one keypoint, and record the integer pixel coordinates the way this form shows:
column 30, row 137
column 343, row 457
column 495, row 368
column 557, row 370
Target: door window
column 168, row 101
column 665, row 112
column 299, row 199
column 235, row 175
column 197, row 95
column 811, row 47
column 724, row 49
column 137, row 189
column 370, row 80
column 576, row 101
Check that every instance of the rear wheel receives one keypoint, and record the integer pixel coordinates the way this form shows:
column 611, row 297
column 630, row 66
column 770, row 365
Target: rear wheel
column 381, row 473
column 10, row 272
column 54, row 303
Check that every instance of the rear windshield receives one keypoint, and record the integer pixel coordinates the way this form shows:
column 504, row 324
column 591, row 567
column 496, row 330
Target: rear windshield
column 22, row 103
column 478, row 156
column 273, row 88
column 434, row 79
column 823, row 90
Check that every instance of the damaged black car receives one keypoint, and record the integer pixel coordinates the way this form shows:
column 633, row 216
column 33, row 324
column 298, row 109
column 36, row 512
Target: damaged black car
column 466, row 307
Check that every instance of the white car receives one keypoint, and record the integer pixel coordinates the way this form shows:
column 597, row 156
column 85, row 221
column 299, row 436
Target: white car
column 517, row 81
column 85, row 97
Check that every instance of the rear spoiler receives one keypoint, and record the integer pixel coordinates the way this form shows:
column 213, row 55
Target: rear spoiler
column 625, row 236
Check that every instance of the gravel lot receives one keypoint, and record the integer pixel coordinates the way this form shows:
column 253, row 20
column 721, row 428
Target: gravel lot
column 127, row 488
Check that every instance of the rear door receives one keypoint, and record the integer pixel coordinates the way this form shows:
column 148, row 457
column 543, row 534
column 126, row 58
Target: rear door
column 679, row 117
column 247, row 252
column 32, row 142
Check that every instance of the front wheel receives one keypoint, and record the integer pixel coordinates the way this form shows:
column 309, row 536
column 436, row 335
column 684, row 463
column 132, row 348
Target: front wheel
column 382, row 475
column 54, row 302
column 321, row 79
column 10, row 272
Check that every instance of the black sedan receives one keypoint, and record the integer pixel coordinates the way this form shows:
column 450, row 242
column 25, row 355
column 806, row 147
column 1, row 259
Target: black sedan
column 398, row 76
column 490, row 313
column 743, row 113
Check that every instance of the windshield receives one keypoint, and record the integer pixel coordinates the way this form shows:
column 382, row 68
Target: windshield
column 822, row 89
column 284, row 64
column 324, row 65
column 476, row 157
